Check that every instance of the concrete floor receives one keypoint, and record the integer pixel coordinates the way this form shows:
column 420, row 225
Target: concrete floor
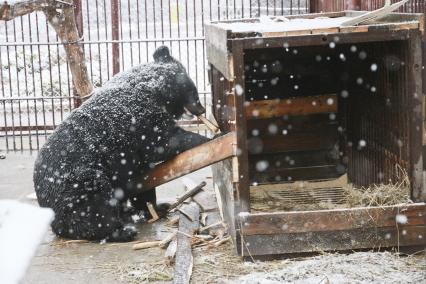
column 57, row 262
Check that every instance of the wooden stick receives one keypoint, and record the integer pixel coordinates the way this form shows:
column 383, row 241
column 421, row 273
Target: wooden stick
column 167, row 240
column 210, row 125
column 173, row 221
column 186, row 195
column 153, row 213
column 171, row 252
column 191, row 160
column 212, row 225
column 145, row 245
column 184, row 258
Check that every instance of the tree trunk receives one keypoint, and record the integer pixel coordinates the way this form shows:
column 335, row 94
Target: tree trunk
column 60, row 15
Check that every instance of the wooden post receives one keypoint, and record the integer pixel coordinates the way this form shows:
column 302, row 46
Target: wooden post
column 115, row 6
column 415, row 89
column 240, row 163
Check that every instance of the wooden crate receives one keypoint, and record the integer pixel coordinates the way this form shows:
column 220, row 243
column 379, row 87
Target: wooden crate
column 316, row 103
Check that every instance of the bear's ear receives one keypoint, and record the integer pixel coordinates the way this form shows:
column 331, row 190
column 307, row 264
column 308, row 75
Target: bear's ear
column 162, row 54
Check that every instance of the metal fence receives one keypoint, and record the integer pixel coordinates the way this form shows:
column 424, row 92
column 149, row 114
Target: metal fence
column 36, row 91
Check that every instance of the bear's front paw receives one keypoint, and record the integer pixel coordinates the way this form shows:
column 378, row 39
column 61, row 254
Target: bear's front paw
column 125, row 234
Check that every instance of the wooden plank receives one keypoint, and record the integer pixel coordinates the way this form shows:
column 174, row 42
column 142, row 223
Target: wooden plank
column 217, row 50
column 331, row 220
column 319, row 139
column 325, row 31
column 224, row 189
column 242, row 193
column 320, row 39
column 276, row 125
column 354, row 29
column 294, row 106
column 296, row 174
column 296, row 159
column 257, row 245
column 415, row 89
column 191, row 160
column 187, row 228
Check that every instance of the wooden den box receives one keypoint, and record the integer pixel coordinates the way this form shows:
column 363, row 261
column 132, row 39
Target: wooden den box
column 314, row 105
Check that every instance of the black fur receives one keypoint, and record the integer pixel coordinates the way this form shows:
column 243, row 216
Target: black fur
column 93, row 162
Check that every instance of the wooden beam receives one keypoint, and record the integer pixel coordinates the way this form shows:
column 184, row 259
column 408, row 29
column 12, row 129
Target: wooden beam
column 187, row 228
column 385, row 237
column 191, row 160
column 293, row 106
column 332, row 220
column 187, row 195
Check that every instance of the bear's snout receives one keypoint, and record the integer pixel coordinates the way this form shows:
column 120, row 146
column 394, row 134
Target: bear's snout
column 196, row 108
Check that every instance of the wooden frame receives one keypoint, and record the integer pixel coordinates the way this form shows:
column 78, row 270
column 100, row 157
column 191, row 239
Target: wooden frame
column 257, row 234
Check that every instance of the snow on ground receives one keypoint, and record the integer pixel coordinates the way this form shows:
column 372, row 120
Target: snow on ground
column 359, row 267
column 22, row 228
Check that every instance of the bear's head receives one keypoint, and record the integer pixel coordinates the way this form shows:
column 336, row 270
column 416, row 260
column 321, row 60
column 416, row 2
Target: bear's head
column 182, row 93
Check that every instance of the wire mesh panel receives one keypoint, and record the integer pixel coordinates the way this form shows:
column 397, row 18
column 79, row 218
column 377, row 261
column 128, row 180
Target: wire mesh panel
column 36, row 91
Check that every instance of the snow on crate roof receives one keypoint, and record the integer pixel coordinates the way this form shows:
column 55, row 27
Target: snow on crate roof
column 280, row 24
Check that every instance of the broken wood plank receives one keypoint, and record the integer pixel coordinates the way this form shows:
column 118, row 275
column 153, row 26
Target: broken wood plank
column 293, row 106
column 184, row 259
column 191, row 160
column 186, row 195
column 167, row 240
column 153, row 213
column 145, row 245
column 171, row 252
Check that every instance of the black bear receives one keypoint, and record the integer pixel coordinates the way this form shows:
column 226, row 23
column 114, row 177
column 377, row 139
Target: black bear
column 95, row 160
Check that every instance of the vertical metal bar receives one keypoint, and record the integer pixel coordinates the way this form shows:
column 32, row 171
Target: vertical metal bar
column 115, row 36
column 130, row 31
column 178, row 26
column 33, row 82
column 139, row 29
column 41, row 77
column 89, row 38
column 50, row 77
column 18, row 86
column 12, row 111
column 106, row 38
column 162, row 20
column 4, row 102
column 121, row 35
column 26, row 88
column 146, row 31
column 154, row 22
column 99, row 45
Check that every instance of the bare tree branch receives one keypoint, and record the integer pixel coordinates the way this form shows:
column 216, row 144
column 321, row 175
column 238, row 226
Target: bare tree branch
column 60, row 14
